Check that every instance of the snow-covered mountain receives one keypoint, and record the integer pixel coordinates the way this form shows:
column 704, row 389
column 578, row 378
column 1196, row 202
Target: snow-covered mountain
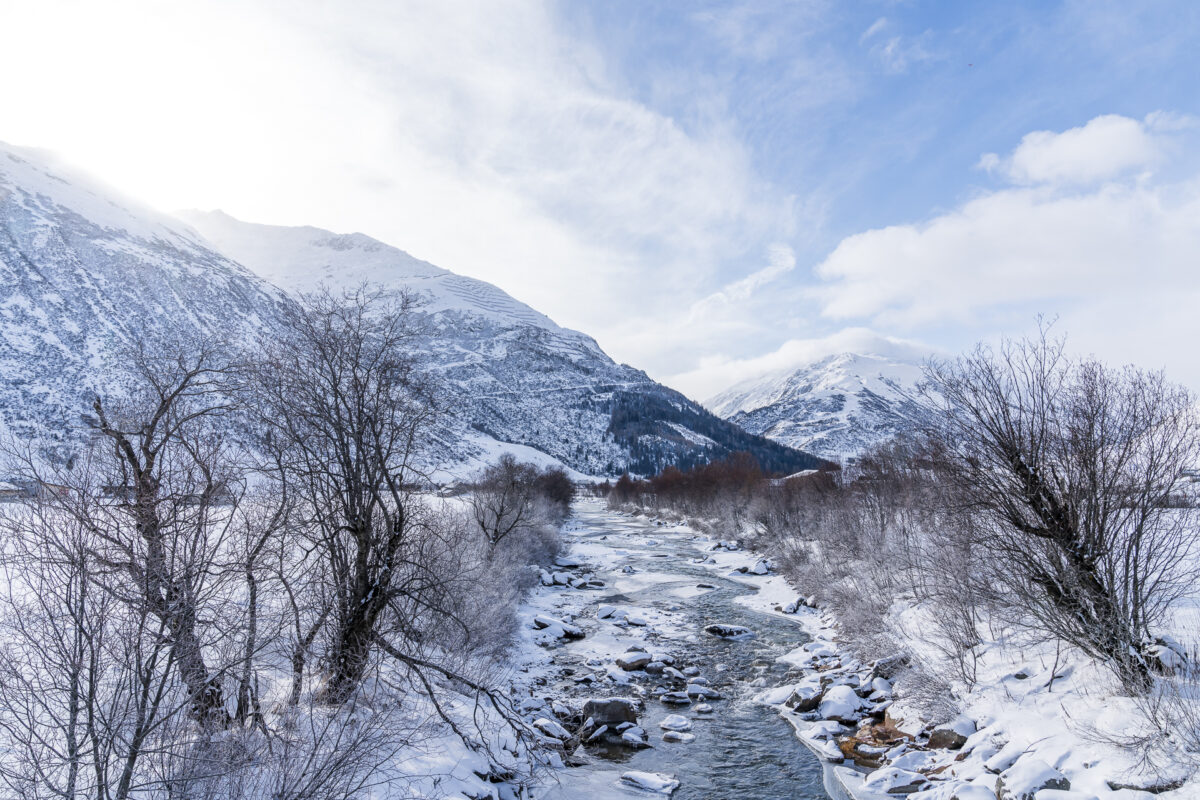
column 515, row 376
column 84, row 272
column 837, row 407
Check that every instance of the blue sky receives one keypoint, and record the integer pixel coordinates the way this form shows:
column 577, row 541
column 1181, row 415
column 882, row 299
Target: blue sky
column 710, row 189
column 883, row 108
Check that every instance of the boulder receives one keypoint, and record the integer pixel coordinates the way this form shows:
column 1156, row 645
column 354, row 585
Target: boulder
column 703, row 708
column 953, row 735
column 676, row 698
column 698, row 692
column 611, row 711
column 633, row 660
column 805, row 697
column 552, row 729
column 634, row 737
column 761, row 567
column 841, row 704
column 557, row 627
column 679, row 736
column 675, row 722
column 1024, row 779
column 889, row 667
column 656, row 782
column 725, row 631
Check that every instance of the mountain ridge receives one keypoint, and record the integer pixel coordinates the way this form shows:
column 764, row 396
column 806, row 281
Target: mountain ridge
column 85, row 273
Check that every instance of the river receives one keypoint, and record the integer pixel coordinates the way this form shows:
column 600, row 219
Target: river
column 653, row 574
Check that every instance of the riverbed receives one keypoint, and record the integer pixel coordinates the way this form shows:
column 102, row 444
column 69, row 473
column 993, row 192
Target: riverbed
column 659, row 594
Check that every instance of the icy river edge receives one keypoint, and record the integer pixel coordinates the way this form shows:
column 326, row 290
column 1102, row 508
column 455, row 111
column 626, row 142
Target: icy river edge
column 638, row 631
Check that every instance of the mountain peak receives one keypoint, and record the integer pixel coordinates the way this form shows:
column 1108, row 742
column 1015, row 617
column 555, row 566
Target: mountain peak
column 836, row 407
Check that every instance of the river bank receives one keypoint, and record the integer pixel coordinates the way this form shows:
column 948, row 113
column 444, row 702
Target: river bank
column 661, row 587
column 792, row 704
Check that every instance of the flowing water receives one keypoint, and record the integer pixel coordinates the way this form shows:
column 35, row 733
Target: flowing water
column 742, row 750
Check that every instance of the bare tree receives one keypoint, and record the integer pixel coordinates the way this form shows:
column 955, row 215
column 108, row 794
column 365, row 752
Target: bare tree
column 504, row 499
column 348, row 412
column 1066, row 468
column 171, row 468
column 89, row 699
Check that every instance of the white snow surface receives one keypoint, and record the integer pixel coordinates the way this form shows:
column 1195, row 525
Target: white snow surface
column 302, row 259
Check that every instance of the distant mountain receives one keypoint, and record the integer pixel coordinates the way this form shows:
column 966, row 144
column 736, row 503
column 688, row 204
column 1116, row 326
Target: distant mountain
column 515, row 377
column 836, row 408
column 84, row 272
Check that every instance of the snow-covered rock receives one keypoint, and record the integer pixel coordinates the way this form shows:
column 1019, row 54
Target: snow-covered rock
column 698, row 691
column 842, row 704
column 1026, row 778
column 952, row 735
column 633, row 660
column 552, row 729
column 727, row 631
column 675, row 722
column 611, row 710
column 889, row 780
column 656, row 782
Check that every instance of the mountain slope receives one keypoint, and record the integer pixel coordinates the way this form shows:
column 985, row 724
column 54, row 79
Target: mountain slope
column 836, row 408
column 85, row 273
column 82, row 274
column 514, row 376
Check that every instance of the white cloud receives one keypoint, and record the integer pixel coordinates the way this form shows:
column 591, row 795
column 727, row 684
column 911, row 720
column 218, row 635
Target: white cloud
column 719, row 372
column 1110, row 251
column 480, row 137
column 1105, row 147
column 876, row 27
column 780, row 261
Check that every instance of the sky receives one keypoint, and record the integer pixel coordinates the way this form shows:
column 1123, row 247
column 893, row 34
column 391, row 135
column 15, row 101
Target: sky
column 711, row 190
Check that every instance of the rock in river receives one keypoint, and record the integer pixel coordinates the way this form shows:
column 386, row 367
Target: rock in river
column 634, row 660
column 726, row 631
column 675, row 722
column 611, row 711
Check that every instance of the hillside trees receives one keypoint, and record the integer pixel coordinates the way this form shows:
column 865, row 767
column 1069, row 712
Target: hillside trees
column 194, row 603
